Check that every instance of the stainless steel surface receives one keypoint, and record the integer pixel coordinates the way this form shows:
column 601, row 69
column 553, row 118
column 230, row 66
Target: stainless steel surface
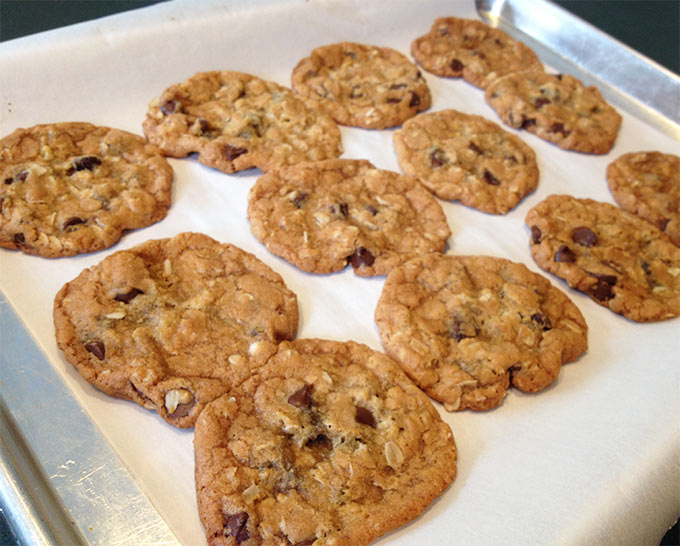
column 54, row 461
column 627, row 79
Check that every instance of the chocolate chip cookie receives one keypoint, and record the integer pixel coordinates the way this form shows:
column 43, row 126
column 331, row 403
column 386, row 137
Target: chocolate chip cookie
column 465, row 328
column 619, row 260
column 236, row 121
column 467, row 158
column 557, row 108
column 327, row 443
column 362, row 85
column 468, row 48
column 647, row 184
column 72, row 188
column 173, row 323
column 325, row 215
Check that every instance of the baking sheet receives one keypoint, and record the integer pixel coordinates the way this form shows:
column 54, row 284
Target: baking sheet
column 593, row 459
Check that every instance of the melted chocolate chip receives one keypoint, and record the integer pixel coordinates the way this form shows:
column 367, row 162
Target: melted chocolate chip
column 542, row 320
column 235, row 525
column 87, row 163
column 558, row 127
column 472, row 146
column 536, row 235
column 170, row 107
column 299, row 199
column 415, row 100
column 584, row 236
column 301, row 398
column 489, row 178
column 540, row 102
column 127, row 297
column 437, row 158
column 183, row 410
column 456, row 65
column 97, row 349
column 361, row 257
column 527, row 122
column 19, row 239
column 364, row 416
column 320, row 440
column 564, row 254
column 73, row 221
column 232, row 152
column 344, row 209
column 601, row 291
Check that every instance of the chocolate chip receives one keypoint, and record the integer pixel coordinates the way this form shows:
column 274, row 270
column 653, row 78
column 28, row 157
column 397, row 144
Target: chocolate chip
column 415, row 100
column 601, row 291
column 127, row 297
column 73, row 221
column 364, row 416
column 558, row 127
column 472, row 146
column 645, row 267
column 232, row 152
column 559, row 76
column 96, row 348
column 183, row 410
column 361, row 256
column 301, row 398
column 235, row 525
column 456, row 65
column 319, row 440
column 87, row 163
column 341, row 208
column 204, row 126
column 393, row 100
column 490, row 178
column 19, row 239
column 564, row 254
column 542, row 320
column 527, row 122
column 609, row 279
column 9, row 180
column 437, row 158
column 584, row 236
column 397, row 86
column 372, row 209
column 541, row 101
column 170, row 107
column 299, row 199
column 536, row 235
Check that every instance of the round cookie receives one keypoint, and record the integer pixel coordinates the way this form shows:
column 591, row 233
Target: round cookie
column 173, row 323
column 328, row 443
column 72, row 188
column 468, row 48
column 362, row 86
column 619, row 260
column 323, row 216
column 647, row 184
column 465, row 328
column 467, row 158
column 236, row 121
column 557, row 108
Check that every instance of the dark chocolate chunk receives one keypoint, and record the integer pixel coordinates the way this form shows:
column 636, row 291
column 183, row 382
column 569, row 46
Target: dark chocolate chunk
column 235, row 525
column 558, row 127
column 87, row 163
column 584, row 236
column 96, row 348
column 602, row 291
column 536, row 235
column 437, row 158
column 527, row 122
column 232, row 152
column 319, row 440
column 542, row 320
column 361, row 256
column 472, row 146
column 73, row 221
column 182, row 410
column 564, row 254
column 541, row 101
column 301, row 398
column 19, row 239
column 489, row 178
column 127, row 297
column 415, row 100
column 364, row 416
column 456, row 65
column 344, row 209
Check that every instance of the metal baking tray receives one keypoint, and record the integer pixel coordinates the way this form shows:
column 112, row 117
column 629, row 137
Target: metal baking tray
column 62, row 482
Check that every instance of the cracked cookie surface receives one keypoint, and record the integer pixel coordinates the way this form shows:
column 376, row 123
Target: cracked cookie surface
column 362, row 85
column 329, row 443
column 467, row 158
column 173, row 323
column 465, row 328
column 617, row 259
column 236, row 121
column 468, row 48
column 647, row 184
column 72, row 188
column 323, row 216
column 557, row 108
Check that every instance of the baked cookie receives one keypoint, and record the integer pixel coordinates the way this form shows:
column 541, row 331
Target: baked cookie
column 173, row 323
column 328, row 443
column 468, row 48
column 72, row 188
column 361, row 85
column 619, row 260
column 557, row 108
column 647, row 184
column 322, row 216
column 236, row 121
column 465, row 328
column 467, row 158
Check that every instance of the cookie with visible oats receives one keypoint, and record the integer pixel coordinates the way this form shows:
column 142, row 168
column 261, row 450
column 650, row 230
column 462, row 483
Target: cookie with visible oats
column 468, row 48
column 465, row 328
column 327, row 443
column 72, row 188
column 236, row 121
column 648, row 185
column 325, row 215
column 173, row 323
column 617, row 259
column 467, row 158
column 557, row 108
column 362, row 85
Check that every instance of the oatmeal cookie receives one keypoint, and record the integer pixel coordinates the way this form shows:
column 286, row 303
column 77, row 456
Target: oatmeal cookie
column 323, row 216
column 619, row 260
column 236, row 121
column 328, row 443
column 361, row 85
column 465, row 328
column 467, row 158
column 72, row 188
column 173, row 323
